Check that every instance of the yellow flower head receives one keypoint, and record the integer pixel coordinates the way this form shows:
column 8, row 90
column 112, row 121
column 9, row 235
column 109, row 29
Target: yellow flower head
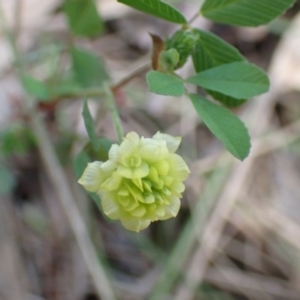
column 141, row 182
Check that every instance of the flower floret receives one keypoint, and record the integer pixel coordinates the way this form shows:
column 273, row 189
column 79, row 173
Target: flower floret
column 141, row 182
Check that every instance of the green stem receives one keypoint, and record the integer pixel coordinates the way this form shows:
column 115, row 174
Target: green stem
column 136, row 73
column 111, row 105
column 98, row 92
column 194, row 18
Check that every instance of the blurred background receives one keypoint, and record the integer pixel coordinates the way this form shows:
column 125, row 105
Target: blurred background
column 237, row 235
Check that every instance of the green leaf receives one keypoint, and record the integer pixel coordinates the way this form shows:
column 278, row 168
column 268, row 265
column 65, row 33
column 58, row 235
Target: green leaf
column 100, row 146
column 102, row 153
column 210, row 51
column 89, row 125
column 88, row 68
column 224, row 125
column 244, row 12
column 165, row 84
column 79, row 164
column 157, row 8
column 7, row 181
column 65, row 89
column 65, row 85
column 226, row 100
column 36, row 88
column 83, row 17
column 238, row 79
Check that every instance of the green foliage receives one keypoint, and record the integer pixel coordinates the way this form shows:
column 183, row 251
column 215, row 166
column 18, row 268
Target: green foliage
column 7, row 181
column 168, row 60
column 99, row 147
column 79, row 164
column 210, row 51
column 83, row 17
column 226, row 100
column 16, row 140
column 238, row 80
column 89, row 125
column 66, row 86
column 36, row 88
column 102, row 153
column 88, row 68
column 224, row 125
column 221, row 71
column 157, row 8
column 165, row 84
column 183, row 41
column 244, row 12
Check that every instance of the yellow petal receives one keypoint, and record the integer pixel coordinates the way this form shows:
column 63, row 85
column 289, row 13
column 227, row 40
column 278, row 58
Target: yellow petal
column 172, row 209
column 135, row 224
column 92, row 177
column 147, row 185
column 139, row 172
column 149, row 198
column 132, row 136
column 153, row 175
column 178, row 168
column 129, row 145
column 110, row 208
column 162, row 167
column 112, row 183
column 124, row 200
column 132, row 205
column 153, row 150
column 108, row 166
column 172, row 141
column 138, row 212
column 138, row 182
column 160, row 212
column 177, row 187
column 168, row 180
column 113, row 152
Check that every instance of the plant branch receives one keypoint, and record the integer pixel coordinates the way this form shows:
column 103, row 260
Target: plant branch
column 193, row 18
column 130, row 77
column 99, row 92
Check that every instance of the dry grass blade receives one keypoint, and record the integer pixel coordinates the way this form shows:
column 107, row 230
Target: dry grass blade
column 212, row 232
column 13, row 281
column 280, row 224
column 253, row 283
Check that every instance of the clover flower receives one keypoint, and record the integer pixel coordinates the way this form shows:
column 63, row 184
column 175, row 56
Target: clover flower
column 141, row 182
